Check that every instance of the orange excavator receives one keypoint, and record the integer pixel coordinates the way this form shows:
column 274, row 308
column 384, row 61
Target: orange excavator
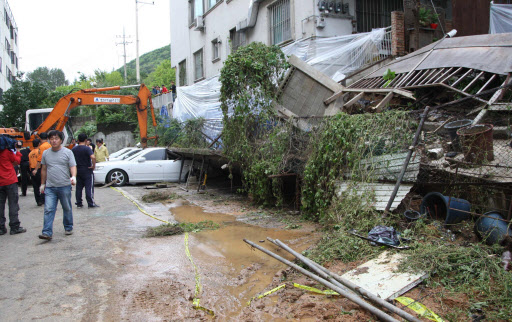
column 60, row 114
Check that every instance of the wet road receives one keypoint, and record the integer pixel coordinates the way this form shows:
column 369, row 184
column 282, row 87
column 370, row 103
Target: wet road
column 106, row 270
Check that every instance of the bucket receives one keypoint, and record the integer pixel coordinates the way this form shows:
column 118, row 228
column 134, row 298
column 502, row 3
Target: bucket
column 476, row 142
column 492, row 230
column 435, row 205
column 412, row 215
column 452, row 128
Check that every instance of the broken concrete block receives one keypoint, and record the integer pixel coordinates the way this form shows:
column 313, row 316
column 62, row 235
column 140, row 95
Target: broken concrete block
column 436, row 153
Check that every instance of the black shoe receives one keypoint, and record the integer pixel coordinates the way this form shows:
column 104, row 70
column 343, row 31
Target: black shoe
column 93, row 206
column 24, row 194
column 46, row 237
column 39, row 204
column 3, row 232
column 68, row 232
column 79, row 206
column 18, row 230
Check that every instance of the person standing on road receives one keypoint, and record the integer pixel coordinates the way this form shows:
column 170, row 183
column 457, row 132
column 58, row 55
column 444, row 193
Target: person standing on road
column 24, row 168
column 101, row 152
column 85, row 164
column 91, row 145
column 58, row 173
column 34, row 174
column 9, row 190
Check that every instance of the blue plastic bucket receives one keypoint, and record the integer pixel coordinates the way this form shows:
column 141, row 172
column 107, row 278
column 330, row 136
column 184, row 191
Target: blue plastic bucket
column 492, row 230
column 435, row 205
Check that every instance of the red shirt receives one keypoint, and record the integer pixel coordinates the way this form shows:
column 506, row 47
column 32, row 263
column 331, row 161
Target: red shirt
column 7, row 173
column 164, row 90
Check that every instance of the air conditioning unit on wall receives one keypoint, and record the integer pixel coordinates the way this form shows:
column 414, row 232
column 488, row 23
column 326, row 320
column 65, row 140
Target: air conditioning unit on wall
column 199, row 23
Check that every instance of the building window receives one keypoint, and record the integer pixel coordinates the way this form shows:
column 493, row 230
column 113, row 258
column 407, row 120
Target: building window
column 280, row 22
column 216, row 49
column 198, row 65
column 196, row 9
column 7, row 46
column 375, row 13
column 0, row 64
column 182, row 73
column 237, row 39
column 1, row 94
column 212, row 3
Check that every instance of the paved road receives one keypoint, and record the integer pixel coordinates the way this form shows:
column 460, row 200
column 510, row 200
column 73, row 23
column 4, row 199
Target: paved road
column 71, row 277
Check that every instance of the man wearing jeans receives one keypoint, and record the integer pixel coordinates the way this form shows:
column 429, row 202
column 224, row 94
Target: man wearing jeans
column 58, row 173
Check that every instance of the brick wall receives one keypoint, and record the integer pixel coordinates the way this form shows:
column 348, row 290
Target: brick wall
column 397, row 33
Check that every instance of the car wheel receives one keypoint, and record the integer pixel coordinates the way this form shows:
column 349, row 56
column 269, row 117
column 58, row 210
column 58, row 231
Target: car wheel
column 118, row 176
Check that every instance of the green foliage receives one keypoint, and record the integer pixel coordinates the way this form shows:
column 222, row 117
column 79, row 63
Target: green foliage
column 148, row 63
column 339, row 146
column 252, row 136
column 164, row 74
column 112, row 114
column 474, row 270
column 388, row 77
column 426, row 16
column 22, row 96
column 174, row 229
column 48, row 78
column 105, row 79
column 89, row 128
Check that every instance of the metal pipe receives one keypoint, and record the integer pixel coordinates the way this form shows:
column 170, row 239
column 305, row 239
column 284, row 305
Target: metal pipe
column 346, row 283
column 407, row 159
column 351, row 296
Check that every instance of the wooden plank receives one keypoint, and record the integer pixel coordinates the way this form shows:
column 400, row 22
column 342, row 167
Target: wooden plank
column 487, row 83
column 443, row 74
column 384, row 102
column 473, row 81
column 430, row 80
column 354, row 100
column 462, row 77
column 464, row 93
column 451, row 75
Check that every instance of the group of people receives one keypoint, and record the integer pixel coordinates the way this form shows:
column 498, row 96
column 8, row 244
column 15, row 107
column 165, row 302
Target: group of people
column 53, row 169
column 163, row 90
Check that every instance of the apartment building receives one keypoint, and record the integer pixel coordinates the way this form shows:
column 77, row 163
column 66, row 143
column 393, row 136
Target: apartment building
column 8, row 48
column 205, row 32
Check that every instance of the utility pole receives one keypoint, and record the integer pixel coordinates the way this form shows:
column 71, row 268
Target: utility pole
column 124, row 42
column 137, row 66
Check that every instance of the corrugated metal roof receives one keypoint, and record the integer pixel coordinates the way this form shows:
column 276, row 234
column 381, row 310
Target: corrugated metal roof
column 490, row 53
column 381, row 191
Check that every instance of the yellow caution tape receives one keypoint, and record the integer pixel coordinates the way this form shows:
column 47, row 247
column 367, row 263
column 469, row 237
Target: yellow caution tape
column 315, row 290
column 195, row 302
column 266, row 293
column 419, row 308
column 136, row 204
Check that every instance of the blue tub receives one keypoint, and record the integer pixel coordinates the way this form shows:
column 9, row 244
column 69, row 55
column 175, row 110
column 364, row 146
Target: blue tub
column 435, row 205
column 492, row 230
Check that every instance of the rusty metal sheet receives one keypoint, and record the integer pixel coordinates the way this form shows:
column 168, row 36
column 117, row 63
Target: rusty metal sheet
column 490, row 53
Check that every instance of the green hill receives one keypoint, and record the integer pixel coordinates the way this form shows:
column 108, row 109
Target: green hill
column 149, row 61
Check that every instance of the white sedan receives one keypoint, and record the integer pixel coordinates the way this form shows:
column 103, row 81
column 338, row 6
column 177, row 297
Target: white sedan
column 124, row 154
column 149, row 165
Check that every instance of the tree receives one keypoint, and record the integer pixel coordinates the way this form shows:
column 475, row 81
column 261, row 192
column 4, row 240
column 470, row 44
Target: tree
column 164, row 74
column 23, row 95
column 49, row 78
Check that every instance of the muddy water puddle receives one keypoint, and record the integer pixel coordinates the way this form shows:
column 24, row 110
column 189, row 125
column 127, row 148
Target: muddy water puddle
column 232, row 272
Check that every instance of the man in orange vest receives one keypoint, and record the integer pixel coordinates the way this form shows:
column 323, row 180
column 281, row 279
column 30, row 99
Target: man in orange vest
column 36, row 178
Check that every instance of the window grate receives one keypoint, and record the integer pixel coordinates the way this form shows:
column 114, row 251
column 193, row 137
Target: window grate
column 280, row 22
column 375, row 13
column 183, row 73
column 198, row 65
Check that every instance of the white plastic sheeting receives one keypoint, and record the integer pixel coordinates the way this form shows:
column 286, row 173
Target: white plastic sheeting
column 200, row 100
column 335, row 57
column 501, row 18
column 340, row 56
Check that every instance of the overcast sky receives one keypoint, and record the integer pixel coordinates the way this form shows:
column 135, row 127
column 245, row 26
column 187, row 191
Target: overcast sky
column 81, row 35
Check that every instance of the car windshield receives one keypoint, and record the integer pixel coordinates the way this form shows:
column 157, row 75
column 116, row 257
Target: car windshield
column 126, row 156
column 134, row 155
column 120, row 152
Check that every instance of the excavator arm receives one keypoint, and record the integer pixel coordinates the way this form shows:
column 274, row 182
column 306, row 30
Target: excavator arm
column 60, row 114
